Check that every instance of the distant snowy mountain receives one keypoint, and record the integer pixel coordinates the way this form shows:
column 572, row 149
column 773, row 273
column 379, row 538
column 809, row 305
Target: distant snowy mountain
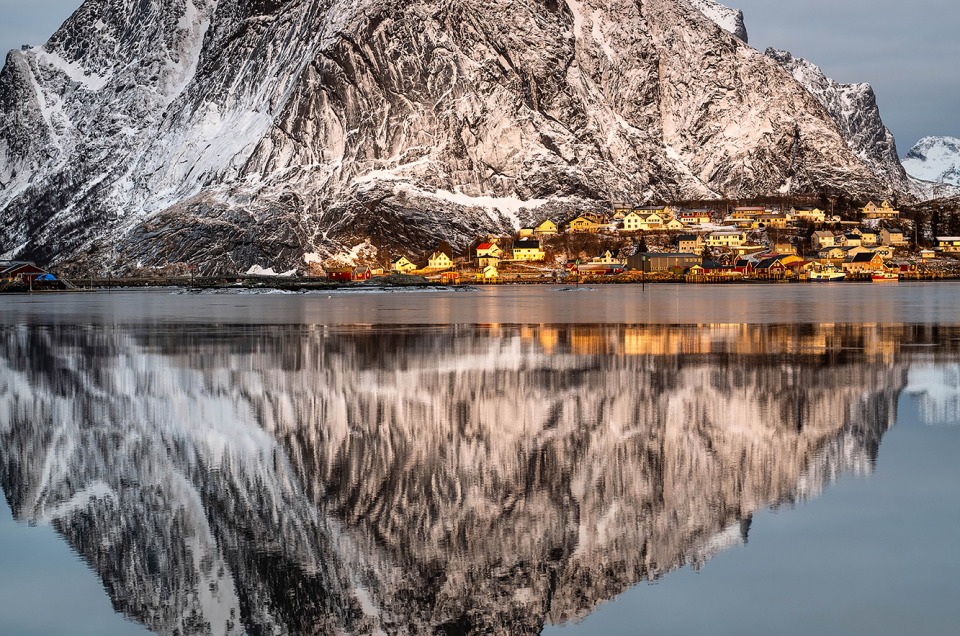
column 855, row 111
column 935, row 159
column 232, row 134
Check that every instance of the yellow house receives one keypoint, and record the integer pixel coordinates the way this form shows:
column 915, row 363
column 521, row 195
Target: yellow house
column 583, row 224
column 674, row 225
column 547, row 227
column 747, row 213
column 883, row 211
column 488, row 273
column 402, row 265
column 778, row 221
column 892, row 237
column 814, row 215
column 948, row 244
column 607, row 258
column 726, row 239
column 620, row 210
column 528, row 251
column 439, row 260
column 634, row 222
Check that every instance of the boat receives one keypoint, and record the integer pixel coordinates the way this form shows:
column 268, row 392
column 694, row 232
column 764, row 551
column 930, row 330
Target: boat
column 885, row 277
column 827, row 275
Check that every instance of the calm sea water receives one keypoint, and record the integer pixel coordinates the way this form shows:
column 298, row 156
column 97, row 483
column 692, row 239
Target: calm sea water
column 669, row 460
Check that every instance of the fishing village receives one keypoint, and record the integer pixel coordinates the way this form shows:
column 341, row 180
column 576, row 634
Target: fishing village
column 624, row 244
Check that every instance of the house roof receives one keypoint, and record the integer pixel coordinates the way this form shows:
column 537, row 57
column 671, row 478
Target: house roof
column 484, row 246
column 527, row 245
column 687, row 237
column 768, row 262
column 22, row 266
column 863, row 257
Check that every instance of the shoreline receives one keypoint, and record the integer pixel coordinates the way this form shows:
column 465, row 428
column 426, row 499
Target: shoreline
column 307, row 285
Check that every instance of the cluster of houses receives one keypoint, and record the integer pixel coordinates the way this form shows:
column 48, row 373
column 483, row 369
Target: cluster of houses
column 486, row 257
column 708, row 243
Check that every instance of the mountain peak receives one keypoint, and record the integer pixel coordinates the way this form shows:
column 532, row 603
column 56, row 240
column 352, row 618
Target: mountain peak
column 854, row 109
column 728, row 19
column 935, row 159
column 231, row 133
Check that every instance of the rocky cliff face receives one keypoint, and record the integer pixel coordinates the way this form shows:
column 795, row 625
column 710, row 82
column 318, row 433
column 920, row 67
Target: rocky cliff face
column 303, row 480
column 855, row 111
column 233, row 133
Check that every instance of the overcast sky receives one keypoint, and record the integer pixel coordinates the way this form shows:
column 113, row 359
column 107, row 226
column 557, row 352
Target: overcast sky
column 908, row 49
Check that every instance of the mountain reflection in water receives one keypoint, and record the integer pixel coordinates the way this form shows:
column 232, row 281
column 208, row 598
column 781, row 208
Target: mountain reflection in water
column 452, row 479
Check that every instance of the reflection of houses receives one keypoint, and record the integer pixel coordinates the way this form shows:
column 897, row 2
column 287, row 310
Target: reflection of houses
column 527, row 251
column 402, row 265
column 882, row 211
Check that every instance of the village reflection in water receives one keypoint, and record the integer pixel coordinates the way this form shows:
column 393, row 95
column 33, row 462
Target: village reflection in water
column 490, row 479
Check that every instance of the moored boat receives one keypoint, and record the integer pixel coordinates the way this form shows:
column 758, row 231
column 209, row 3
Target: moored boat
column 885, row 277
column 827, row 275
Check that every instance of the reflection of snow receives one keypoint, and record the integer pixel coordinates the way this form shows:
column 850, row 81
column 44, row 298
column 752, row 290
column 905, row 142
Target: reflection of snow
column 937, row 390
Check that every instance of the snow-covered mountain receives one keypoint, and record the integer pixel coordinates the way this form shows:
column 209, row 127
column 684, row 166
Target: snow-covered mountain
column 317, row 480
column 726, row 18
column 855, row 111
column 935, row 159
column 233, row 133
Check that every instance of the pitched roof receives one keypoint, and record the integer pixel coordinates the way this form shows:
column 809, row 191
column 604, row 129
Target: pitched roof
column 767, row 263
column 863, row 257
column 484, row 246
column 527, row 245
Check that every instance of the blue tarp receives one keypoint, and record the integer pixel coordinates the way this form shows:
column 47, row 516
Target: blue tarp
column 47, row 277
